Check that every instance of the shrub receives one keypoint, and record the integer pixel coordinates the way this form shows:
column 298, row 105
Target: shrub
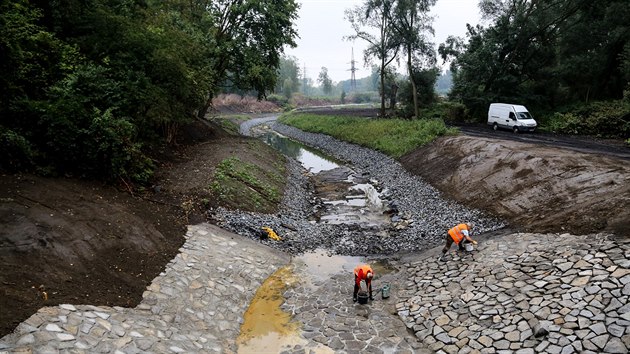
column 362, row 97
column 278, row 100
column 236, row 103
column 608, row 119
column 17, row 151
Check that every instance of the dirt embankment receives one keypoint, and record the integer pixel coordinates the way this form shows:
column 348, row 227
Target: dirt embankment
column 70, row 241
column 534, row 187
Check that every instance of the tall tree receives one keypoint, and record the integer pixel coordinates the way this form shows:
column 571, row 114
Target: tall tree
column 88, row 84
column 540, row 53
column 384, row 45
column 288, row 76
column 247, row 39
column 412, row 24
column 325, row 80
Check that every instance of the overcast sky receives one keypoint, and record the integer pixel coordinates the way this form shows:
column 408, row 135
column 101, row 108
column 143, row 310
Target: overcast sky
column 322, row 26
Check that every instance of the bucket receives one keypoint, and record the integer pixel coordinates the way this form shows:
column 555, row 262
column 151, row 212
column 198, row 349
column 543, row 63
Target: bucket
column 469, row 247
column 385, row 291
column 362, row 298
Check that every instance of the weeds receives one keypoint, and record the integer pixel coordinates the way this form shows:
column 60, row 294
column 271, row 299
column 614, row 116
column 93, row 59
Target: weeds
column 236, row 180
column 394, row 137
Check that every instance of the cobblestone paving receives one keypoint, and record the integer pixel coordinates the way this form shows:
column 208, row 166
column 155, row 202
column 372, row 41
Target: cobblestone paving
column 517, row 293
column 195, row 305
column 523, row 293
column 331, row 319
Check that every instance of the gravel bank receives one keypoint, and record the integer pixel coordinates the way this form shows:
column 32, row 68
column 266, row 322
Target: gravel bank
column 416, row 200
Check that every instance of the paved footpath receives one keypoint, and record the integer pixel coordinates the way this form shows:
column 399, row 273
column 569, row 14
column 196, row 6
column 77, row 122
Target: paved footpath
column 195, row 305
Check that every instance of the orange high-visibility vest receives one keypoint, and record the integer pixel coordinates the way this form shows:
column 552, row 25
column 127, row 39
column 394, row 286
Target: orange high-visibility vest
column 456, row 233
column 361, row 272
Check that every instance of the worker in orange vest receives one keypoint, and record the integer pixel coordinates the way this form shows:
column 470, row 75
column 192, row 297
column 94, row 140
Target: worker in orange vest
column 362, row 272
column 459, row 234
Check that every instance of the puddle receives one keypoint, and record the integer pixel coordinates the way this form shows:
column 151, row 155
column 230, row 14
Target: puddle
column 320, row 265
column 266, row 327
column 312, row 159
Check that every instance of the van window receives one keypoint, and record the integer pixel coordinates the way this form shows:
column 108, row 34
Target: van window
column 512, row 115
column 524, row 115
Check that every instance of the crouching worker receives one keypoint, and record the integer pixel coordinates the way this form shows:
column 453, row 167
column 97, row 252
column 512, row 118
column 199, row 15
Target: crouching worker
column 459, row 234
column 362, row 272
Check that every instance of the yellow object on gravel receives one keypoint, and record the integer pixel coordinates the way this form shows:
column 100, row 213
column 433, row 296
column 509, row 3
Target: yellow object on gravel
column 272, row 234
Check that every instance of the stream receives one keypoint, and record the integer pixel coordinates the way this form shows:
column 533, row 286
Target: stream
column 346, row 199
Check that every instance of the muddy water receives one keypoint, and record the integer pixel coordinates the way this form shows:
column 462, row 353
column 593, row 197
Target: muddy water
column 266, row 328
column 321, row 266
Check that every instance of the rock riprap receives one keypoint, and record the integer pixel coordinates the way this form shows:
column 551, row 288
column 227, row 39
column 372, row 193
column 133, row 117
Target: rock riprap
column 523, row 293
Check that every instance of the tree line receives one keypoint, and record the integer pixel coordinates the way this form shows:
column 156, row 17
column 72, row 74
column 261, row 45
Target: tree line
column 88, row 87
column 545, row 54
column 567, row 59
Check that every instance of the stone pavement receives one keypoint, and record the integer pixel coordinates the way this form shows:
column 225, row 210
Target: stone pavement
column 517, row 293
column 523, row 293
column 331, row 319
column 195, row 305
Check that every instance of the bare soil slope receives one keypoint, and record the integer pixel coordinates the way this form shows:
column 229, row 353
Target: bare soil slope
column 535, row 187
column 78, row 242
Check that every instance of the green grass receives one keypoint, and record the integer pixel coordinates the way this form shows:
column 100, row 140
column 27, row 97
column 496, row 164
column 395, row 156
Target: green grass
column 236, row 180
column 394, row 137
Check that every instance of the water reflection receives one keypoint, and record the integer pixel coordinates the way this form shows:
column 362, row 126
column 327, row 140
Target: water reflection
column 321, row 265
column 311, row 159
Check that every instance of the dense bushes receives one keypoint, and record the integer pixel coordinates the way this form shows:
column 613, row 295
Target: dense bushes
column 450, row 112
column 609, row 119
column 547, row 55
column 87, row 86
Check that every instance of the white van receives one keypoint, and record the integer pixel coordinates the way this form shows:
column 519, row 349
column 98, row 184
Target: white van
column 510, row 116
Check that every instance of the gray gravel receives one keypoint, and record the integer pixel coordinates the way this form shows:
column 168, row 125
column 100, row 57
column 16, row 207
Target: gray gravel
column 430, row 215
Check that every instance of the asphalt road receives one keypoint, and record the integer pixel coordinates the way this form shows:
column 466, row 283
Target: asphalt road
column 613, row 148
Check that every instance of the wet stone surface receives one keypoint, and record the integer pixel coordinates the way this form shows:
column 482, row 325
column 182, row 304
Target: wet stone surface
column 523, row 293
column 516, row 293
column 330, row 317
